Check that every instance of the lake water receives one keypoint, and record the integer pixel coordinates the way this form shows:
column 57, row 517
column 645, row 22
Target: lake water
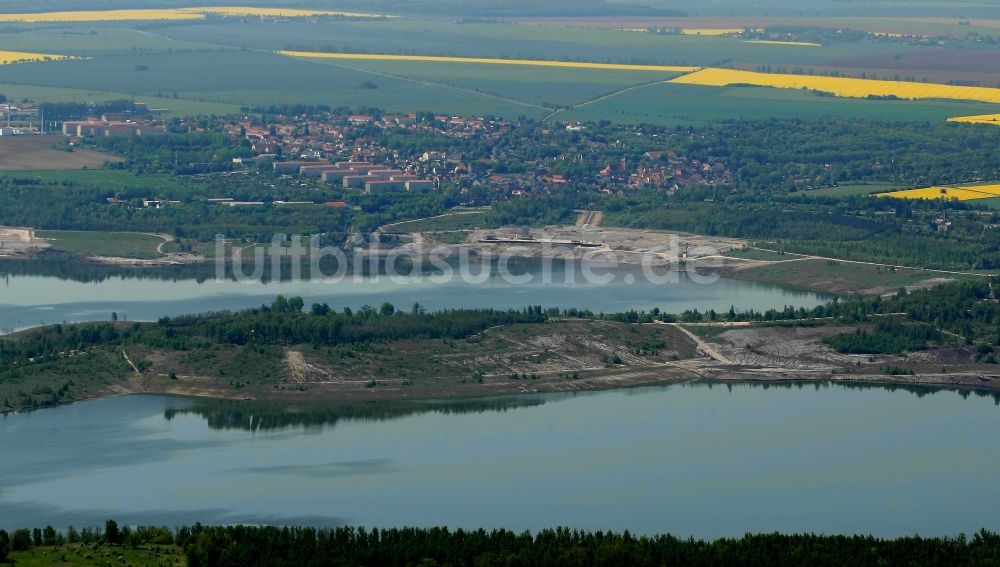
column 39, row 294
column 701, row 459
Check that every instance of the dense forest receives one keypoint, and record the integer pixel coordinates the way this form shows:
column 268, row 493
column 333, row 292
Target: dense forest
column 888, row 337
column 267, row 546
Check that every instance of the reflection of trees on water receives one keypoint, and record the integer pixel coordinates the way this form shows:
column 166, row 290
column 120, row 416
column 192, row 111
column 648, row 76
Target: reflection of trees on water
column 71, row 268
column 254, row 416
column 916, row 389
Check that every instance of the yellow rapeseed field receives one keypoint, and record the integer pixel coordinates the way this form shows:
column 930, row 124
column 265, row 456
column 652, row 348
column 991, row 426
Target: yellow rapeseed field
column 839, row 86
column 980, row 119
column 7, row 57
column 100, row 16
column 527, row 62
column 272, row 12
column 197, row 13
column 964, row 193
column 778, row 42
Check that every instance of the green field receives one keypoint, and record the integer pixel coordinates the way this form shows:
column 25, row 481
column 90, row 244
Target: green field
column 672, row 104
column 222, row 80
column 859, row 189
column 838, row 277
column 113, row 179
column 461, row 221
column 529, row 41
column 174, row 107
column 82, row 555
column 114, row 244
column 218, row 66
column 86, row 40
column 546, row 86
column 993, row 203
column 247, row 78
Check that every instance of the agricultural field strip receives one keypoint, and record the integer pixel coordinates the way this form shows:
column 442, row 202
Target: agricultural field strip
column 978, row 119
column 717, row 77
column 488, row 61
column 963, row 193
column 196, row 13
column 878, row 264
column 839, row 86
column 9, row 57
column 433, row 83
column 276, row 12
column 600, row 98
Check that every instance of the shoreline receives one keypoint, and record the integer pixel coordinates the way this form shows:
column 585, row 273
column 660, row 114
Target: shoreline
column 958, row 382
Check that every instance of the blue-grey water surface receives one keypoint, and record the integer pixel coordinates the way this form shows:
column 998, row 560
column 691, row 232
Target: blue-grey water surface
column 700, row 459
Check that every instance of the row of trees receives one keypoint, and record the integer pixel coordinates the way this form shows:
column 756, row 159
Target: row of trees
column 281, row 323
column 267, row 546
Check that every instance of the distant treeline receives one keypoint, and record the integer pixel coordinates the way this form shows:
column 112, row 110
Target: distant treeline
column 268, row 546
column 281, row 323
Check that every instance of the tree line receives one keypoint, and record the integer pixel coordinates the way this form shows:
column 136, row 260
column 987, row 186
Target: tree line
column 967, row 309
column 273, row 546
column 283, row 322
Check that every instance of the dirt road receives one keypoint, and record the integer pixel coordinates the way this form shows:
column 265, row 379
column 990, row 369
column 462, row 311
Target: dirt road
column 589, row 219
column 703, row 346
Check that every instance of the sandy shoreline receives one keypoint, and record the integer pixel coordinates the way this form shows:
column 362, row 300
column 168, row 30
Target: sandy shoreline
column 631, row 379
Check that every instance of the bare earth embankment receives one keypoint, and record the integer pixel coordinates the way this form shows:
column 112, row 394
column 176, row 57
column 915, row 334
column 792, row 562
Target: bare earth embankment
column 36, row 153
column 19, row 242
column 563, row 355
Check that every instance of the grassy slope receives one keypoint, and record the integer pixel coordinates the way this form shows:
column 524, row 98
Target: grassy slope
column 79, row 555
column 111, row 179
column 837, row 277
column 450, row 222
column 82, row 376
column 116, row 244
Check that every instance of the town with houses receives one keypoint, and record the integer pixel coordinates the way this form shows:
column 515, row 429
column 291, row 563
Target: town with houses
column 385, row 153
